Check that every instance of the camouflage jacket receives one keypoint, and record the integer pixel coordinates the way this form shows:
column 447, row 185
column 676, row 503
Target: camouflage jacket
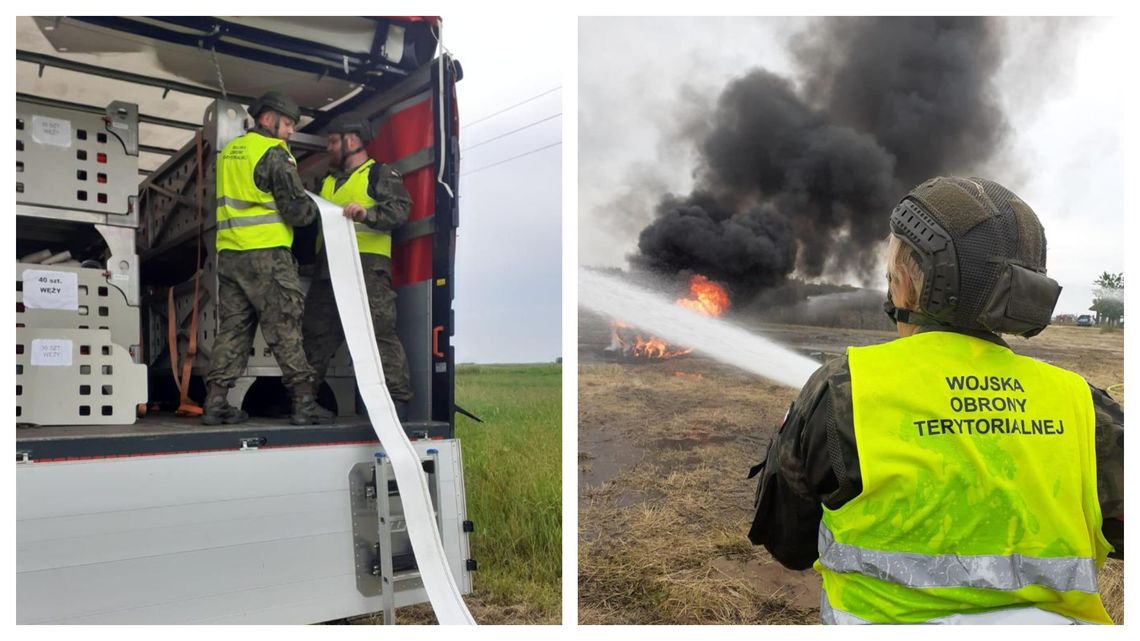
column 813, row 462
column 277, row 174
column 393, row 205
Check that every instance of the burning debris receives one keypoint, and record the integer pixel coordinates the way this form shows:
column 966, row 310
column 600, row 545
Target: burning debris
column 801, row 176
column 705, row 297
column 631, row 343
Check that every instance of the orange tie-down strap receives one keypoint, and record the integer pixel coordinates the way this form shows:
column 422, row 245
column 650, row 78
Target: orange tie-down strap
column 186, row 406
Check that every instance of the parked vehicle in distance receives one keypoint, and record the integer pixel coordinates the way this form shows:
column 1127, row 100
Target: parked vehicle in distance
column 1084, row 320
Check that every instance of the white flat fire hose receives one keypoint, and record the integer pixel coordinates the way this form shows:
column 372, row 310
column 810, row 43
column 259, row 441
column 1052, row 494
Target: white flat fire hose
column 352, row 303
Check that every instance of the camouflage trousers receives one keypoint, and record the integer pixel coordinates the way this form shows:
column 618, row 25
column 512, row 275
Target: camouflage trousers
column 258, row 285
column 324, row 334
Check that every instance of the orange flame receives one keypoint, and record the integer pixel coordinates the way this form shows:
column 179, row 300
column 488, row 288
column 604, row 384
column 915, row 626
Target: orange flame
column 657, row 348
column 705, row 297
column 632, row 343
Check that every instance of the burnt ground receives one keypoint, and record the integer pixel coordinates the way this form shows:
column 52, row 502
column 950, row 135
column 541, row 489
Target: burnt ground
column 664, row 506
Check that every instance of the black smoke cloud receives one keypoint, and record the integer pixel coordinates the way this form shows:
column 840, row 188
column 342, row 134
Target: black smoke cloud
column 695, row 233
column 923, row 87
column 804, row 179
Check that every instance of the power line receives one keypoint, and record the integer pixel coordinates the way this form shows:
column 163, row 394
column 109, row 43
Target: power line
column 513, row 131
column 506, row 160
column 517, row 104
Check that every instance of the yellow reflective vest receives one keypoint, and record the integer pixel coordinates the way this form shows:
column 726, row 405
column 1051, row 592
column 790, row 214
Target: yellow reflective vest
column 979, row 489
column 247, row 217
column 355, row 190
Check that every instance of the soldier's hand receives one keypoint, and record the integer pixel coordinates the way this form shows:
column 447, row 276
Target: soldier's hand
column 355, row 211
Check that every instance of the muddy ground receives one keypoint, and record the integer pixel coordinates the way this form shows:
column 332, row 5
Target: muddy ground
column 664, row 507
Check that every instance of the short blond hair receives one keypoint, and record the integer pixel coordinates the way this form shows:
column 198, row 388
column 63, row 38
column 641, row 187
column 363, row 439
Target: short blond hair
column 904, row 273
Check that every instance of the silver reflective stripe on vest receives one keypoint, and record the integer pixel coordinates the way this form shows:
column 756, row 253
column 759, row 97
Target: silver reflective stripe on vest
column 1005, row 616
column 249, row 221
column 995, row 572
column 226, row 201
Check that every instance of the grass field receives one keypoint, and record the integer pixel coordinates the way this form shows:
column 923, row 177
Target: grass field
column 512, row 464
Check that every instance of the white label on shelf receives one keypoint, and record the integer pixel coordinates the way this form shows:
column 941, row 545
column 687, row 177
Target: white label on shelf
column 51, row 131
column 51, row 290
column 51, row 352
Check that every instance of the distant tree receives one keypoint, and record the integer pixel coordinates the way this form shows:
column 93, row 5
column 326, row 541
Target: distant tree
column 1108, row 298
column 1111, row 281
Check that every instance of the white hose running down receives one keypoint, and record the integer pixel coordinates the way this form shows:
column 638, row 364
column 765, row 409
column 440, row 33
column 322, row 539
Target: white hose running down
column 352, row 303
column 713, row 337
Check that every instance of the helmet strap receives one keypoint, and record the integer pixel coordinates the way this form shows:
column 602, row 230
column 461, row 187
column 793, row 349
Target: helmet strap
column 275, row 124
column 909, row 316
column 347, row 156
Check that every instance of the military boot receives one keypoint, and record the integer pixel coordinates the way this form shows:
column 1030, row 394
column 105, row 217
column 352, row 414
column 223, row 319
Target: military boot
column 306, row 411
column 217, row 410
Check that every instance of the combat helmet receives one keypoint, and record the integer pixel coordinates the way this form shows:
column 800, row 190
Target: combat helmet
column 352, row 123
column 276, row 101
column 982, row 254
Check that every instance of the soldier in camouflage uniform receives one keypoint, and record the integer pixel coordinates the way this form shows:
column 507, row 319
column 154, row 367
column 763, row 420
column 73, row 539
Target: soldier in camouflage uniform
column 374, row 196
column 813, row 462
column 260, row 200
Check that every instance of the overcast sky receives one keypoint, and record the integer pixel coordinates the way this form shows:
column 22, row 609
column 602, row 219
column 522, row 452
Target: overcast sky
column 508, row 271
column 1058, row 84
